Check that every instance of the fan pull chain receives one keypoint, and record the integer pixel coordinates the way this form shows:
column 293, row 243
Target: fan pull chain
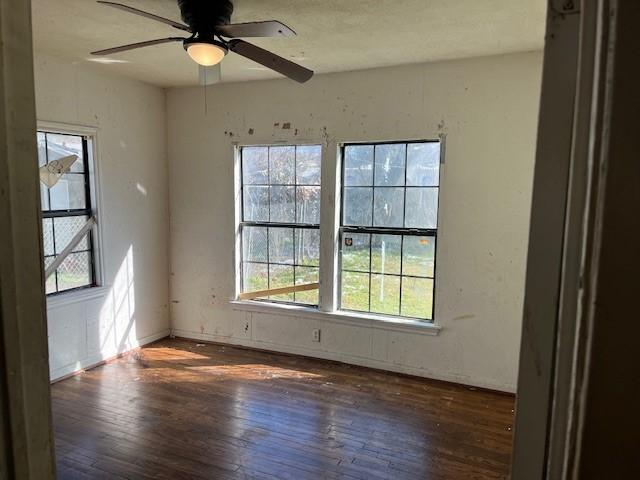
column 205, row 92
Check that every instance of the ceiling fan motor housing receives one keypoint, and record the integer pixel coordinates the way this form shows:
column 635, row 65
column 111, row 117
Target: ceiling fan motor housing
column 204, row 15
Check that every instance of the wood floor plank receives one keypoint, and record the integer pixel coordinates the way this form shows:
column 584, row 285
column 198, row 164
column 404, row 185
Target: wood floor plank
column 177, row 409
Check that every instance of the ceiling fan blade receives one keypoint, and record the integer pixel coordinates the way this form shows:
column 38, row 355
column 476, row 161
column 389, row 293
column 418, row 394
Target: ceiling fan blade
column 132, row 46
column 151, row 16
column 271, row 60
column 210, row 75
column 269, row 28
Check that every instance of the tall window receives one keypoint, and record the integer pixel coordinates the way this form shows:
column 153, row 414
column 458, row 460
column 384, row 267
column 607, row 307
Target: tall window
column 280, row 225
column 389, row 227
column 66, row 208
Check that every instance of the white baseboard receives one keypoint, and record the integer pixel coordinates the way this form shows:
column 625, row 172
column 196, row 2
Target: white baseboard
column 97, row 359
column 350, row 359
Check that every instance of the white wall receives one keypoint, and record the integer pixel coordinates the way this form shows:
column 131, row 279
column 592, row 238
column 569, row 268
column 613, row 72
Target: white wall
column 131, row 308
column 488, row 109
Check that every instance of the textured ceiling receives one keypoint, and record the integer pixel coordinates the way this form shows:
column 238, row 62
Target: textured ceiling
column 333, row 35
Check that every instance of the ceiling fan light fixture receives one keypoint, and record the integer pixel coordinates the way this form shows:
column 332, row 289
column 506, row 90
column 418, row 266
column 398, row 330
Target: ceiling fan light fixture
column 206, row 54
column 213, row 36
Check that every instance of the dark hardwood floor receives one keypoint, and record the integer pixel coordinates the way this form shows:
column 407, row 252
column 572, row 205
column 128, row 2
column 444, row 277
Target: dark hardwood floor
column 181, row 410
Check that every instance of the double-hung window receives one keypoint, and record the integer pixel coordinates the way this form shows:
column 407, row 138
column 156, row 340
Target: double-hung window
column 65, row 192
column 383, row 257
column 388, row 228
column 280, row 221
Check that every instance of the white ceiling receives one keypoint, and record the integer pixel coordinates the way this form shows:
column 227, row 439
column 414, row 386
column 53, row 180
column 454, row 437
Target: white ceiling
column 333, row 35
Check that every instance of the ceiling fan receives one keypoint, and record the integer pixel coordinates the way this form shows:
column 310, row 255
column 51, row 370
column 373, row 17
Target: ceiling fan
column 213, row 36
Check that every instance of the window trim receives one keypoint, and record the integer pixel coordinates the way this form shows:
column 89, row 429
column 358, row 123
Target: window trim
column 92, row 137
column 379, row 322
column 330, row 219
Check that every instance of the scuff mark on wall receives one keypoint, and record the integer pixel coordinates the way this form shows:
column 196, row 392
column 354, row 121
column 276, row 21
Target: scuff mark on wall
column 442, row 127
column 325, row 136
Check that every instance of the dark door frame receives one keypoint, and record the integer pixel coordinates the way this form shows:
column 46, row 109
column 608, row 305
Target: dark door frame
column 26, row 441
column 578, row 386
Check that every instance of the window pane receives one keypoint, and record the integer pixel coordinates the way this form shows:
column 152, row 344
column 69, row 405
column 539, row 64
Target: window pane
column 60, row 146
column 423, row 164
column 74, row 271
column 307, row 275
column 388, row 207
column 255, row 165
column 385, row 253
column 355, row 291
column 422, row 208
column 307, row 246
column 405, row 179
column 42, row 149
column 254, row 244
column 65, row 228
column 44, row 197
column 256, row 204
column 50, row 285
column 390, row 165
column 357, row 206
column 308, row 159
column 47, row 236
column 418, row 256
column 282, row 165
column 385, row 294
column 417, row 297
column 355, row 251
column 358, row 165
column 281, row 276
column 281, row 245
column 69, row 192
column 308, row 205
column 291, row 194
column 283, row 204
column 254, row 277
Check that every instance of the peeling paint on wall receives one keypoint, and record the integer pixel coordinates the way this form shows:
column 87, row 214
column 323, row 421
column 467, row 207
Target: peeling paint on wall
column 486, row 136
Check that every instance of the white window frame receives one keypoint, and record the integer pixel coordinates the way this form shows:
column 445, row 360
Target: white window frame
column 91, row 133
column 330, row 206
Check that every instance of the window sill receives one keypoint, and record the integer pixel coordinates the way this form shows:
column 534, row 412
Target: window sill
column 350, row 318
column 77, row 296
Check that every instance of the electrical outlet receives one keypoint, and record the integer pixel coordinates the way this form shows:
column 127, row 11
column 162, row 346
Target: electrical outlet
column 316, row 335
